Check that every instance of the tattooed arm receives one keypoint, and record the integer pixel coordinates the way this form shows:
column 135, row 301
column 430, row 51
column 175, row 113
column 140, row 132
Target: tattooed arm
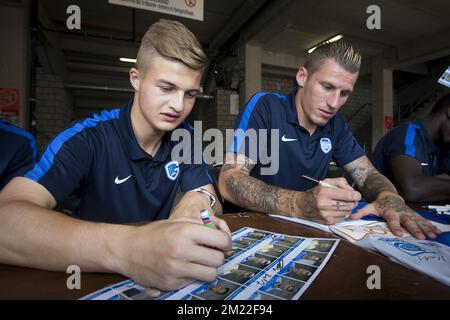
column 369, row 180
column 386, row 202
column 320, row 204
column 237, row 186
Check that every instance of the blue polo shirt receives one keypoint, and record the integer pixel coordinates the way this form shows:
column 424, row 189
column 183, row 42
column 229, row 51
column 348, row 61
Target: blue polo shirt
column 413, row 140
column 300, row 153
column 18, row 152
column 99, row 161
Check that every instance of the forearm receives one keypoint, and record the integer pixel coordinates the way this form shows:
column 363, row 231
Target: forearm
column 40, row 238
column 425, row 188
column 191, row 204
column 375, row 185
column 371, row 183
column 255, row 195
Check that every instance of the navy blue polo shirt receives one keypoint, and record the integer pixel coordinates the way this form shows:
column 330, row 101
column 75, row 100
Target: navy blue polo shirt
column 299, row 152
column 18, row 152
column 99, row 161
column 413, row 140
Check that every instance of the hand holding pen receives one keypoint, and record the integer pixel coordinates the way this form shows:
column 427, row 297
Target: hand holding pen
column 329, row 201
column 206, row 219
column 213, row 222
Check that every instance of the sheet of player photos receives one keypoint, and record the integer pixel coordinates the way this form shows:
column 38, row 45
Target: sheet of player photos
column 261, row 266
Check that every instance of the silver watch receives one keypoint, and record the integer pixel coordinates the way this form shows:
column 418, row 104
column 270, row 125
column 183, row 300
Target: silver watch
column 212, row 198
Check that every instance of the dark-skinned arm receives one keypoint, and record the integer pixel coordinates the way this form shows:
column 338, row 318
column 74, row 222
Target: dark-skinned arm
column 414, row 185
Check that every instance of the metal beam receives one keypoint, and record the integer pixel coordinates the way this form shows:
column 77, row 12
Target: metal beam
column 243, row 14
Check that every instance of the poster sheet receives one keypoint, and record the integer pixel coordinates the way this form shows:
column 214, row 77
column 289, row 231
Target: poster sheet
column 261, row 266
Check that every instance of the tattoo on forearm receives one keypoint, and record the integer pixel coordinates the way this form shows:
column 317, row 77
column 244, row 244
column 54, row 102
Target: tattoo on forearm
column 360, row 171
column 307, row 206
column 254, row 194
column 375, row 184
column 227, row 167
column 392, row 202
column 247, row 166
column 368, row 179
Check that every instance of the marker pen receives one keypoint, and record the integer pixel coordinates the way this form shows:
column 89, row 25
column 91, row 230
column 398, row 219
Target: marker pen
column 206, row 219
column 318, row 182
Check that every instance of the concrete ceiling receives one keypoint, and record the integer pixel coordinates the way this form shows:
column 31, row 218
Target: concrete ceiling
column 413, row 31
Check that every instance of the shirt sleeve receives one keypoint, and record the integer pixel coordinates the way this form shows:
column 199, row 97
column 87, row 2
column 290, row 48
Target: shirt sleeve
column 22, row 161
column 194, row 175
column 402, row 141
column 255, row 116
column 347, row 147
column 66, row 161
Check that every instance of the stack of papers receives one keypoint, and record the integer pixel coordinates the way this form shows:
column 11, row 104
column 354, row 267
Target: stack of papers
column 429, row 257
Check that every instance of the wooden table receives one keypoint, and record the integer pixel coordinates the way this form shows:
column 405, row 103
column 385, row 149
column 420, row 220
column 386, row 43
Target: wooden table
column 344, row 276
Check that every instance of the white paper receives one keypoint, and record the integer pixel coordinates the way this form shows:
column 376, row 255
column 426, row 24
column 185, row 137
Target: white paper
column 377, row 236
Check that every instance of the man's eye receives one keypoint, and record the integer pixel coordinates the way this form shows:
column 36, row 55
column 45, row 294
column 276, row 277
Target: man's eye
column 327, row 87
column 166, row 89
column 191, row 95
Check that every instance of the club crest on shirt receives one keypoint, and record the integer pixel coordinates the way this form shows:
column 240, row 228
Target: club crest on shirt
column 172, row 169
column 325, row 144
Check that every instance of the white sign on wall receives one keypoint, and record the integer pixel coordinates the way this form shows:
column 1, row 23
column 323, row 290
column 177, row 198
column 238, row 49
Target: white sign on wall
column 445, row 78
column 234, row 104
column 192, row 9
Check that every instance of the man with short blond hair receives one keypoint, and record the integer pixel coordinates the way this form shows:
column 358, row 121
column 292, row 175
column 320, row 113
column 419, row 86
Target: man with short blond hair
column 119, row 164
column 171, row 40
column 312, row 134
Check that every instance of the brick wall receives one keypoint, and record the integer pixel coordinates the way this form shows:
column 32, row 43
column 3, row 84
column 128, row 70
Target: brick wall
column 225, row 120
column 277, row 84
column 204, row 110
column 214, row 113
column 361, row 122
column 54, row 107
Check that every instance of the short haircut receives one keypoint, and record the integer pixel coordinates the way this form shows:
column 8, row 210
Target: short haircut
column 442, row 104
column 171, row 40
column 340, row 51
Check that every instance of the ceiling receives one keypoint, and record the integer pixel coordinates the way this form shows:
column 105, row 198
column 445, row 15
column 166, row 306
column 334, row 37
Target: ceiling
column 412, row 32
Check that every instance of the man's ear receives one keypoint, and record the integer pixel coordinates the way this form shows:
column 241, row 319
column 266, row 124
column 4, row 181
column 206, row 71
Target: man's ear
column 135, row 78
column 301, row 76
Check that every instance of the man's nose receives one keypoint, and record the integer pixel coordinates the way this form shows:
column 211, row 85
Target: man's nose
column 333, row 100
column 177, row 102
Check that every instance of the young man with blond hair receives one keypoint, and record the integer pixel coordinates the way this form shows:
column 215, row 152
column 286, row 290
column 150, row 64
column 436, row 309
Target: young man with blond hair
column 312, row 133
column 118, row 163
